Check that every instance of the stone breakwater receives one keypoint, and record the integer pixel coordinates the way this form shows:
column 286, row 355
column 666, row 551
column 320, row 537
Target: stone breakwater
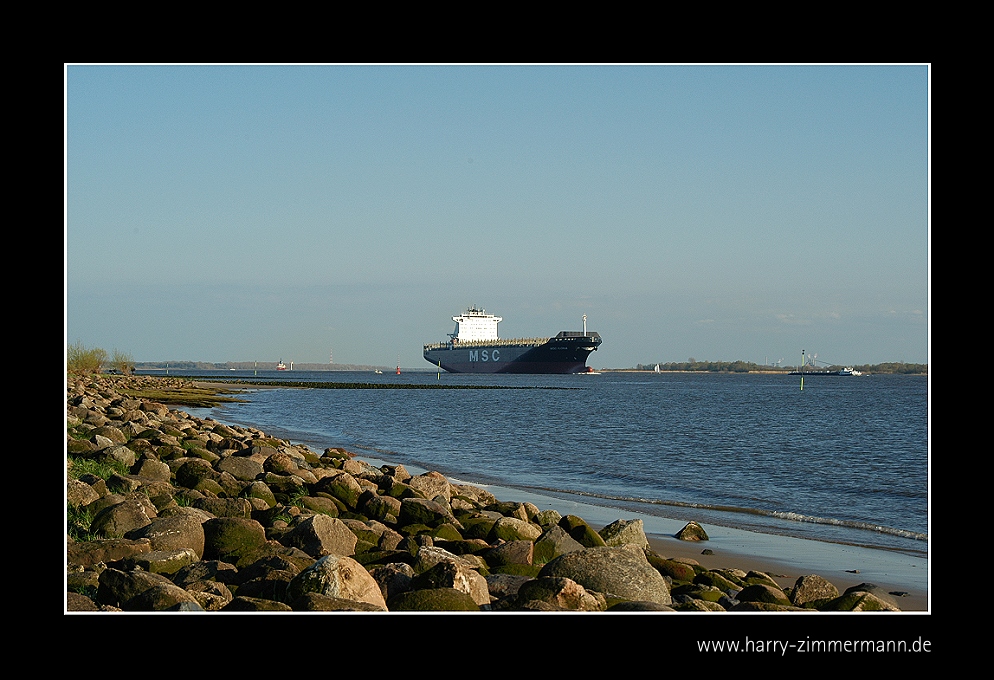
column 169, row 512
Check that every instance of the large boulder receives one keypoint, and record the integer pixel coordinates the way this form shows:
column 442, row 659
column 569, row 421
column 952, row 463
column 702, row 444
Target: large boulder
column 230, row 538
column 117, row 520
column 553, row 543
column 433, row 599
column 241, row 467
column 105, row 550
column 116, row 588
column 337, row 576
column 320, row 535
column 623, row 573
column 625, row 532
column 394, row 578
column 560, row 592
column 763, row 593
column 455, row 575
column 514, row 529
column 431, row 485
column 582, row 532
column 865, row 597
column 163, row 597
column 423, row 511
column 812, row 590
column 80, row 494
column 511, row 552
column 344, row 487
column 174, row 532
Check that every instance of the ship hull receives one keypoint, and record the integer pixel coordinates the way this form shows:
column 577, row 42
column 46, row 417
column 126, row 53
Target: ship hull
column 557, row 355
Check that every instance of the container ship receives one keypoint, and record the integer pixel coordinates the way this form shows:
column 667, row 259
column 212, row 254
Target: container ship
column 474, row 347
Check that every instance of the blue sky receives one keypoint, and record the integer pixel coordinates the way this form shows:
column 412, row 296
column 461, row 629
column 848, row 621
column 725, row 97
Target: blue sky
column 243, row 213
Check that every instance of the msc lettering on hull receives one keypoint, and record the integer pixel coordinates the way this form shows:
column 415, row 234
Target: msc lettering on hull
column 484, row 355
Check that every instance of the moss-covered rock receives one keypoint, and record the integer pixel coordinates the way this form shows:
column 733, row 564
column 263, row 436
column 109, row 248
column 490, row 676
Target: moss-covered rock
column 698, row 592
column 581, row 532
column 229, row 538
column 765, row 593
column 718, row 579
column 446, row 532
column 692, row 532
column 678, row 572
column 431, row 600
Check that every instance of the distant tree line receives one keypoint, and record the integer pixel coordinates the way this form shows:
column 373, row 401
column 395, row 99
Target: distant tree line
column 247, row 366
column 704, row 366
column 692, row 365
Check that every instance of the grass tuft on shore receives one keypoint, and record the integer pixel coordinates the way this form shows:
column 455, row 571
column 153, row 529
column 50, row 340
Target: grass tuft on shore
column 79, row 466
column 78, row 521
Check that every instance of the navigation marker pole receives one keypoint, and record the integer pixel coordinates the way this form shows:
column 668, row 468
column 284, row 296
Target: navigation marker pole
column 439, row 376
column 802, row 370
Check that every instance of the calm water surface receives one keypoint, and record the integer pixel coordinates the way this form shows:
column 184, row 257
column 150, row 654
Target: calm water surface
column 845, row 460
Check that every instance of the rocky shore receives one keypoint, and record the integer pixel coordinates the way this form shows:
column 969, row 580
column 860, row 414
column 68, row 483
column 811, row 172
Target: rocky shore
column 169, row 512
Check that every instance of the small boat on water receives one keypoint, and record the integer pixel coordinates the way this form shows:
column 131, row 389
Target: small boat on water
column 281, row 366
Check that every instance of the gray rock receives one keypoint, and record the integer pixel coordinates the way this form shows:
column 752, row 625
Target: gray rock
column 117, row 454
column 117, row 520
column 79, row 494
column 625, row 532
column 174, row 532
column 618, row 572
column 431, row 484
column 162, row 561
column 812, row 588
column 553, row 543
column 320, row 535
column 512, row 552
column 240, row 467
column 150, row 469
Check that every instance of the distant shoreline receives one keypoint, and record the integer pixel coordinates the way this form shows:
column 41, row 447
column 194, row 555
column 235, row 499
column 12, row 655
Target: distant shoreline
column 155, row 368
